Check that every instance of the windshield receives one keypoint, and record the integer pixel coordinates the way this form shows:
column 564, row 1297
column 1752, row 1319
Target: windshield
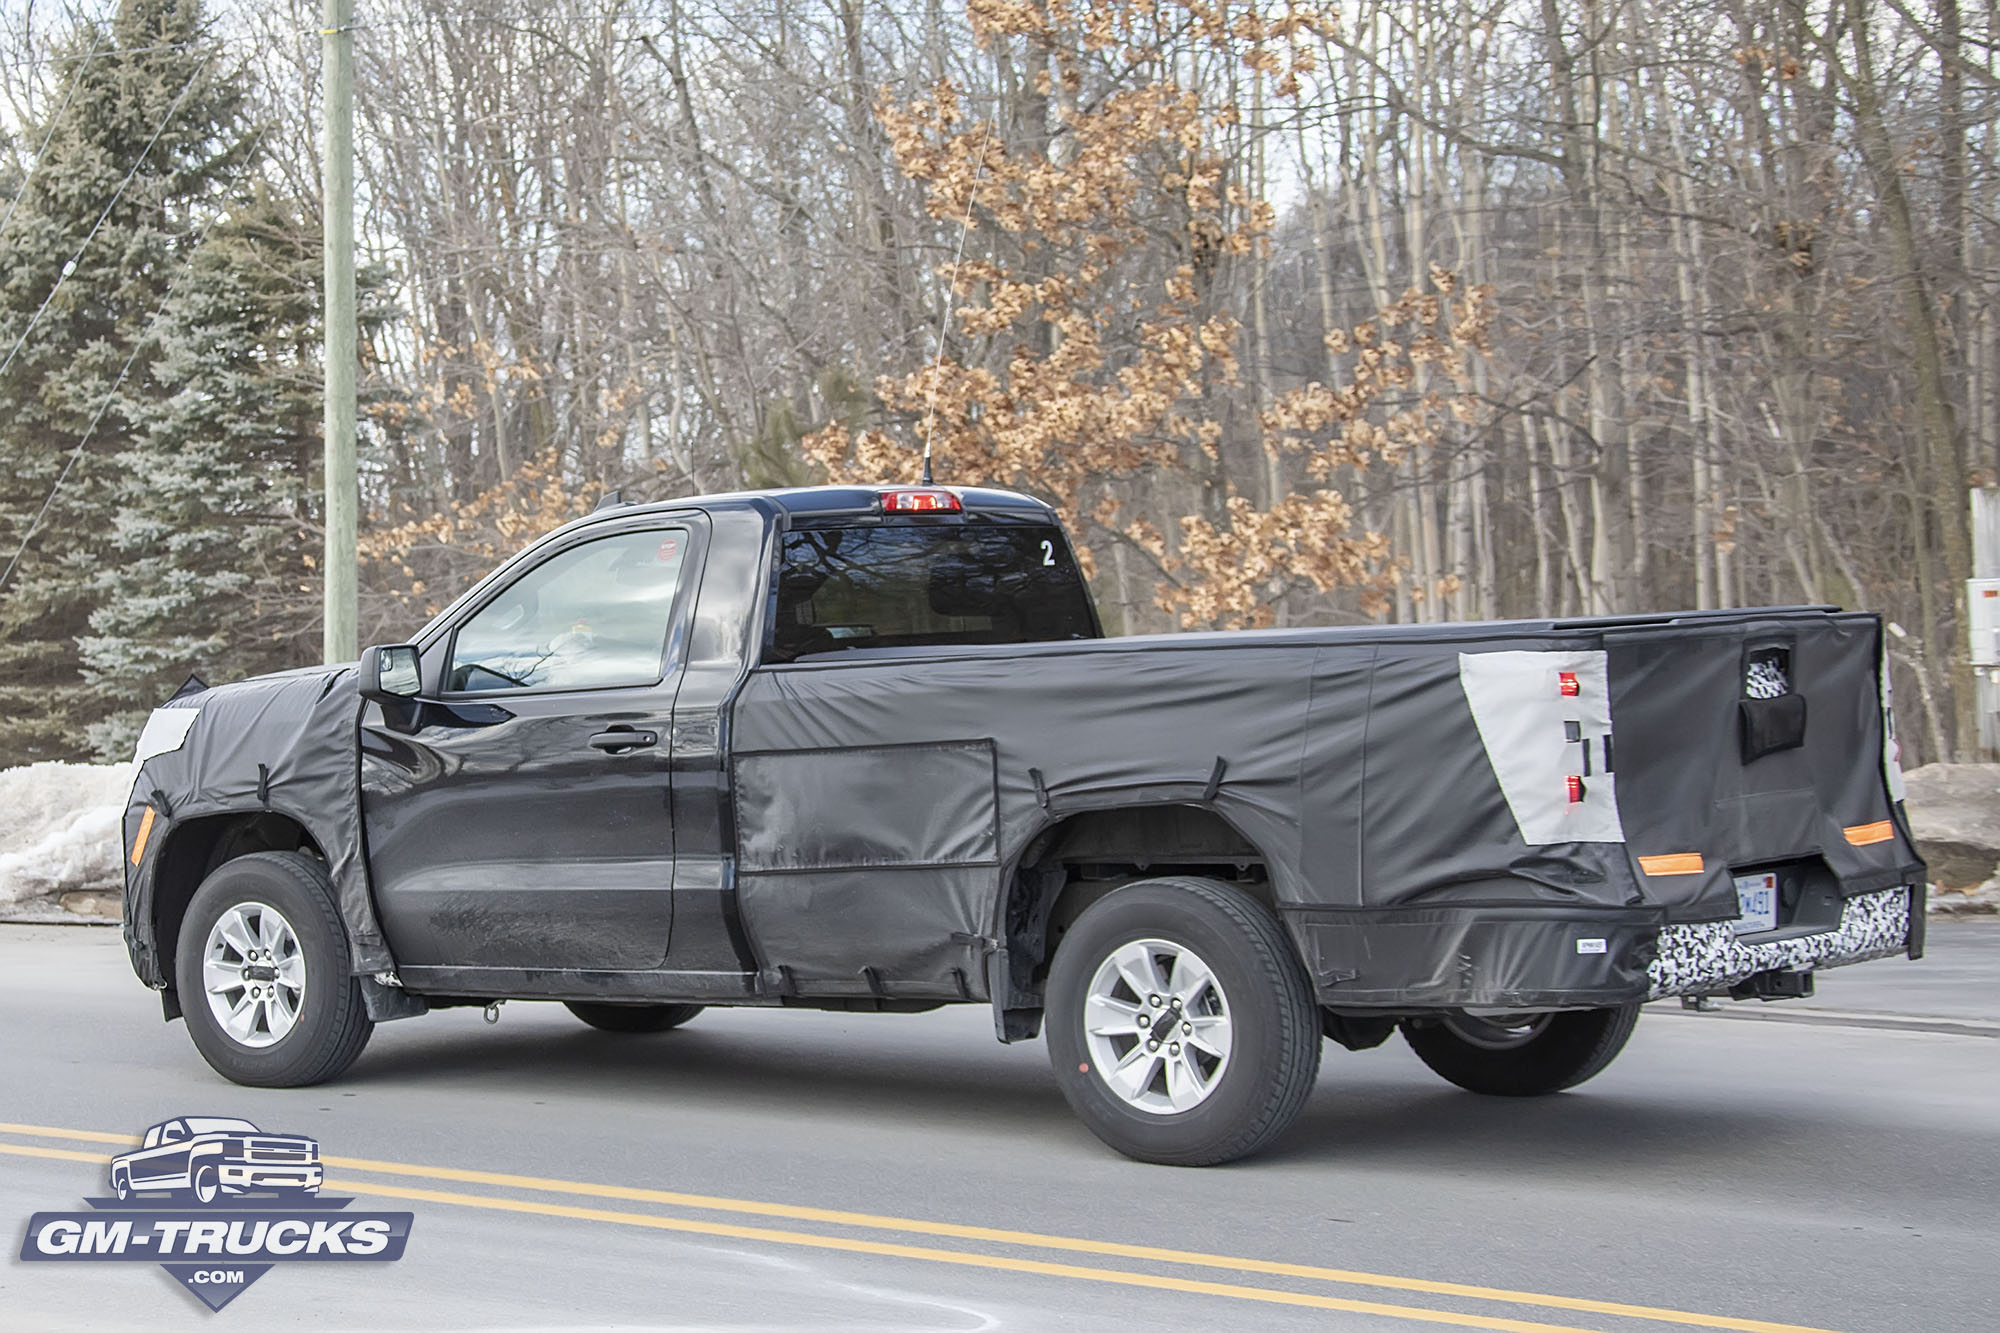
column 890, row 586
column 208, row 1124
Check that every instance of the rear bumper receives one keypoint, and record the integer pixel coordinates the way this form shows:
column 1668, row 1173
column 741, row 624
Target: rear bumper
column 1708, row 958
column 1536, row 958
column 1530, row 957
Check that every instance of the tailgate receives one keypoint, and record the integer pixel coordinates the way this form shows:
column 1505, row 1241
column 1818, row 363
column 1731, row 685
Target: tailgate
column 1755, row 791
column 1753, row 749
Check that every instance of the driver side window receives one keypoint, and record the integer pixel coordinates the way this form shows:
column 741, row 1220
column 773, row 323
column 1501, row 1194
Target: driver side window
column 593, row 617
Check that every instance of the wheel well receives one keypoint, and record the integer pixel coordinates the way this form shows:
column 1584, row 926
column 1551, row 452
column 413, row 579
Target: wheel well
column 1080, row 859
column 195, row 848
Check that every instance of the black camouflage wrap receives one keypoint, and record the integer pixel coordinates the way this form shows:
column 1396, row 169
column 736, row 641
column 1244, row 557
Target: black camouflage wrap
column 1349, row 759
column 284, row 743
column 882, row 801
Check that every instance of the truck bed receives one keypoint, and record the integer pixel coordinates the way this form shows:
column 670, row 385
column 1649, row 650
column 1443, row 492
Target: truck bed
column 1505, row 815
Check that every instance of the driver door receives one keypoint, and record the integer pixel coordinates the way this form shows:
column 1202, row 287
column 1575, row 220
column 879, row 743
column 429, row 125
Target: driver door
column 523, row 820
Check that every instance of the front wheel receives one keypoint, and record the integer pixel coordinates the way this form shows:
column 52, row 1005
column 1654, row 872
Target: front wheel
column 206, row 1186
column 1522, row 1055
column 262, row 967
column 632, row 1017
column 1181, row 1026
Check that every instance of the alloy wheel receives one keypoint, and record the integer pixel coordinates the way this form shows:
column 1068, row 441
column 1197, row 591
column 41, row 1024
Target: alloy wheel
column 1157, row 1026
column 254, row 974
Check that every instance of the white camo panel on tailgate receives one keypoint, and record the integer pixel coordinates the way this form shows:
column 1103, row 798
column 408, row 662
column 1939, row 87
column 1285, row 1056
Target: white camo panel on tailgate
column 1526, row 723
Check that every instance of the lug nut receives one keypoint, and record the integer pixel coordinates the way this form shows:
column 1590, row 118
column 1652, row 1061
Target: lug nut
column 1144, row 1021
column 1188, row 1028
column 1153, row 1000
column 1174, row 1049
column 1177, row 1003
column 1152, row 1045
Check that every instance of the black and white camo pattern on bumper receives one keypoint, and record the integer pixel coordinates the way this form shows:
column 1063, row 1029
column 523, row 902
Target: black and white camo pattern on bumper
column 1708, row 957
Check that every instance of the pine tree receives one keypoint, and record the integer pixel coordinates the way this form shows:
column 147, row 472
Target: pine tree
column 210, row 536
column 134, row 170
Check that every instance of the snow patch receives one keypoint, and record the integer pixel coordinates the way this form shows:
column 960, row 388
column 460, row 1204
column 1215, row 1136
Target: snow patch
column 59, row 828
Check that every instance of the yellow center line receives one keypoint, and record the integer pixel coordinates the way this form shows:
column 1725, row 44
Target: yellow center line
column 967, row 1259
column 1038, row 1240
column 63, row 1154
column 1005, row 1263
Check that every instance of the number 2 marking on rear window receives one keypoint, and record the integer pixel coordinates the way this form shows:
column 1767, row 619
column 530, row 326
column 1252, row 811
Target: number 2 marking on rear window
column 1048, row 552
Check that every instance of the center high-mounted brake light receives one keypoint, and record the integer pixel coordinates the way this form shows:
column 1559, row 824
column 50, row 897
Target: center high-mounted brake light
column 919, row 502
column 1566, row 682
column 1574, row 788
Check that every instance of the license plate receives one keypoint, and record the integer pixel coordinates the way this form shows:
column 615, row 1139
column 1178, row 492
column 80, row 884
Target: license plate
column 1756, row 903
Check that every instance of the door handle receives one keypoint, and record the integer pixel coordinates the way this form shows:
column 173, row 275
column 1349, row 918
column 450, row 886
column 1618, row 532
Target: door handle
column 623, row 740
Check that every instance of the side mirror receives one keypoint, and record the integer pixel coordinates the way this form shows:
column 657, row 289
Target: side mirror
column 391, row 675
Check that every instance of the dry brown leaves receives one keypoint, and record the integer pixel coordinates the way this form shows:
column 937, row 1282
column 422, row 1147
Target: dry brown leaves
column 1096, row 371
column 424, row 559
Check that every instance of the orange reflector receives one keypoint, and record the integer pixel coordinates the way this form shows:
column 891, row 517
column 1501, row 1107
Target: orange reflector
column 1674, row 863
column 145, row 832
column 1862, row 835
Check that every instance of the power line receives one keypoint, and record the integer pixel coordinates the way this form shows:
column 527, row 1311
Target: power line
column 139, row 345
column 70, row 267
column 54, row 121
column 35, row 62
column 110, row 395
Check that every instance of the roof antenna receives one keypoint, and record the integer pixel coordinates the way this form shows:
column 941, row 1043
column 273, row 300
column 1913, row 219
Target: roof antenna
column 950, row 286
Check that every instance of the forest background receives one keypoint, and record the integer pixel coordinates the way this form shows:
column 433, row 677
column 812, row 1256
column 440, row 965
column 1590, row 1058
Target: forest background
column 1440, row 309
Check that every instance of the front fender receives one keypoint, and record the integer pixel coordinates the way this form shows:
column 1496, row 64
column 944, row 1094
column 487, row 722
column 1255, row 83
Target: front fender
column 277, row 745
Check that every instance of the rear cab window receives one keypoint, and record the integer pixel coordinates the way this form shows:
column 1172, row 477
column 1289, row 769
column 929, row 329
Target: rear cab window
column 927, row 582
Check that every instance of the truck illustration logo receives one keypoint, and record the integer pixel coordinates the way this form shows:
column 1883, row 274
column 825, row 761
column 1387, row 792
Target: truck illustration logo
column 208, row 1157
column 218, row 1203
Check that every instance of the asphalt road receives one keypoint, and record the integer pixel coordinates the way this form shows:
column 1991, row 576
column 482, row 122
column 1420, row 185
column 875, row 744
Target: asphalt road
column 790, row 1170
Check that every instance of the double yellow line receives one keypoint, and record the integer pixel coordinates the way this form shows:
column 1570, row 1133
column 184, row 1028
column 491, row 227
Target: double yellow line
column 990, row 1236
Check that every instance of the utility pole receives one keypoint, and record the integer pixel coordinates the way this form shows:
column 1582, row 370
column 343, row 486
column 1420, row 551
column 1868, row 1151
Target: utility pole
column 343, row 495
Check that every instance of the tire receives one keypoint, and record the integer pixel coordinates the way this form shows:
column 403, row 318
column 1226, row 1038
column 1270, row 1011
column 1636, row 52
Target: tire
column 1547, row 1053
column 632, row 1017
column 1177, row 1103
column 206, row 1187
column 313, row 1022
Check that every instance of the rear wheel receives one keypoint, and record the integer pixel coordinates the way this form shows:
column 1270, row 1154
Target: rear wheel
column 262, row 968
column 1181, row 1026
column 1525, row 1055
column 632, row 1017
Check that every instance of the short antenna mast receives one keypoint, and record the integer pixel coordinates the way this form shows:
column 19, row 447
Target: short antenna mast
column 944, row 306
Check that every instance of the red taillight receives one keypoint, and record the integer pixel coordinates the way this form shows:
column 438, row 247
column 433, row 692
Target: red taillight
column 919, row 502
column 1575, row 785
column 1566, row 681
